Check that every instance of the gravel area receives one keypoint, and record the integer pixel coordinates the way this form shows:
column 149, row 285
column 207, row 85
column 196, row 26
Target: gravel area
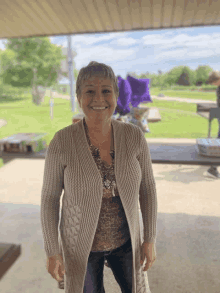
column 184, row 100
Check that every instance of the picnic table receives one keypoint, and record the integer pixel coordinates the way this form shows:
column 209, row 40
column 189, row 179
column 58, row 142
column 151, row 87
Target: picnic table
column 204, row 108
column 180, row 153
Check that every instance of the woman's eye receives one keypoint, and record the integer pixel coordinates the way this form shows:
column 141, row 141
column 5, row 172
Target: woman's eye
column 103, row 91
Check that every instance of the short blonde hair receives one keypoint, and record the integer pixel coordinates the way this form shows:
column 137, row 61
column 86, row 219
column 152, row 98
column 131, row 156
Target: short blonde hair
column 96, row 69
column 214, row 76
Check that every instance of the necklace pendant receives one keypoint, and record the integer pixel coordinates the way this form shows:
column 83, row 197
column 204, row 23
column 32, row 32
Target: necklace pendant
column 107, row 183
column 113, row 193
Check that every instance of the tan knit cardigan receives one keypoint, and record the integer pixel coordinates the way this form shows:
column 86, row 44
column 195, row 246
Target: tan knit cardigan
column 69, row 164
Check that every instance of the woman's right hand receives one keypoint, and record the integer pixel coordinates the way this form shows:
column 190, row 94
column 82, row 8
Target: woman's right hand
column 55, row 267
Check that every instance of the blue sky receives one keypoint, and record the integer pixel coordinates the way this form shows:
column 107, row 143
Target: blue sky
column 149, row 50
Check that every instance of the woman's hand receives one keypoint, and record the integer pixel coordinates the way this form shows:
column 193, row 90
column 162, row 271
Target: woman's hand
column 55, row 267
column 148, row 251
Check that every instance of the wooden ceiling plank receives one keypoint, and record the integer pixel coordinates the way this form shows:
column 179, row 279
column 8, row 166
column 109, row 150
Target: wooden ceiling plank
column 157, row 13
column 112, row 8
column 50, row 17
column 136, row 17
column 125, row 15
column 167, row 13
column 59, row 13
column 12, row 19
column 36, row 17
column 104, row 15
column 73, row 17
column 189, row 12
column 200, row 12
column 5, row 15
column 83, row 16
column 147, row 14
column 24, row 22
column 177, row 13
column 217, row 20
column 212, row 13
column 94, row 11
column 9, row 32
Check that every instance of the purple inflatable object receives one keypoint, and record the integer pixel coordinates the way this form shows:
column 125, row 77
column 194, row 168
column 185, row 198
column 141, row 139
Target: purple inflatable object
column 132, row 90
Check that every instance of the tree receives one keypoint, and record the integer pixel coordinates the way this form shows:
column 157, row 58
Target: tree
column 132, row 74
column 202, row 74
column 76, row 73
column 174, row 74
column 31, row 62
column 184, row 79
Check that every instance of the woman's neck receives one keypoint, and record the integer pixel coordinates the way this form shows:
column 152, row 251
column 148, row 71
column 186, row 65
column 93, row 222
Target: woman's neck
column 100, row 134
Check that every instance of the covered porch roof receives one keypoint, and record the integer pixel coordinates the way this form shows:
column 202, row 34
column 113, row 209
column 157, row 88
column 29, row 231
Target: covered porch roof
column 22, row 18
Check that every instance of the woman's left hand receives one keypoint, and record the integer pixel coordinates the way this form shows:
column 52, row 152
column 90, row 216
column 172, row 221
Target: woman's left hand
column 148, row 251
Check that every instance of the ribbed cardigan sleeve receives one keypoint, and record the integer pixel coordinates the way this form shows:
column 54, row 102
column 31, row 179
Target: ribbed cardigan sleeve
column 50, row 196
column 147, row 192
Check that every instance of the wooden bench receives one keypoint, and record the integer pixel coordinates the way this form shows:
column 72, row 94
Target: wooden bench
column 9, row 253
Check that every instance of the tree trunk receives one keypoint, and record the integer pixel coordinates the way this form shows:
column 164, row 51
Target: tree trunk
column 38, row 92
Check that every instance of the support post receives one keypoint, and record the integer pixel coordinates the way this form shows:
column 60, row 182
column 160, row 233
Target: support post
column 71, row 75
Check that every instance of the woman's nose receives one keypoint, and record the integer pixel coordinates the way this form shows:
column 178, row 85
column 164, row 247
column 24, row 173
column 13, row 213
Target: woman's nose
column 98, row 97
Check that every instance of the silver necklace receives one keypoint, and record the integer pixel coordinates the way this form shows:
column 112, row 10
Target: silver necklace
column 108, row 184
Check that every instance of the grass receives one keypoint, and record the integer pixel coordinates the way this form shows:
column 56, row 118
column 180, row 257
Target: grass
column 178, row 120
column 23, row 116
column 197, row 95
column 181, row 93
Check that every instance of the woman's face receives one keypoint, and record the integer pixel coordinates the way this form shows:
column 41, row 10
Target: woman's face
column 98, row 92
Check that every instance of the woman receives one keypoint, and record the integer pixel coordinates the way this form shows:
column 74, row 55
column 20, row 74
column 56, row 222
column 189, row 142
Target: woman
column 105, row 169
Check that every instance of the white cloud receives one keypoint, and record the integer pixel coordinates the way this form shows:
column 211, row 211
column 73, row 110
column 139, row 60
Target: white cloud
column 125, row 42
column 102, row 54
column 94, row 39
column 184, row 46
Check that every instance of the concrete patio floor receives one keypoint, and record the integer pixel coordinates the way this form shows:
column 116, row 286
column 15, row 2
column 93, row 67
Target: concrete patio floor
column 188, row 230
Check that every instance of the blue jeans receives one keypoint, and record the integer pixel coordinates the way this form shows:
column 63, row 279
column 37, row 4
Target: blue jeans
column 120, row 262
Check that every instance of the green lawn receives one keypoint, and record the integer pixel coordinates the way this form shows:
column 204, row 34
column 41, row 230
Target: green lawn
column 185, row 94
column 24, row 116
column 178, row 119
column 178, row 93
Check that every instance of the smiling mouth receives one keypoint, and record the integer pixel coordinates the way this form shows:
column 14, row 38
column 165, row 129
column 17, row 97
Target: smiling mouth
column 99, row 109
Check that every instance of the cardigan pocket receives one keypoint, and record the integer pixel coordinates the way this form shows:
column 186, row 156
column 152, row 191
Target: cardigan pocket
column 70, row 227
